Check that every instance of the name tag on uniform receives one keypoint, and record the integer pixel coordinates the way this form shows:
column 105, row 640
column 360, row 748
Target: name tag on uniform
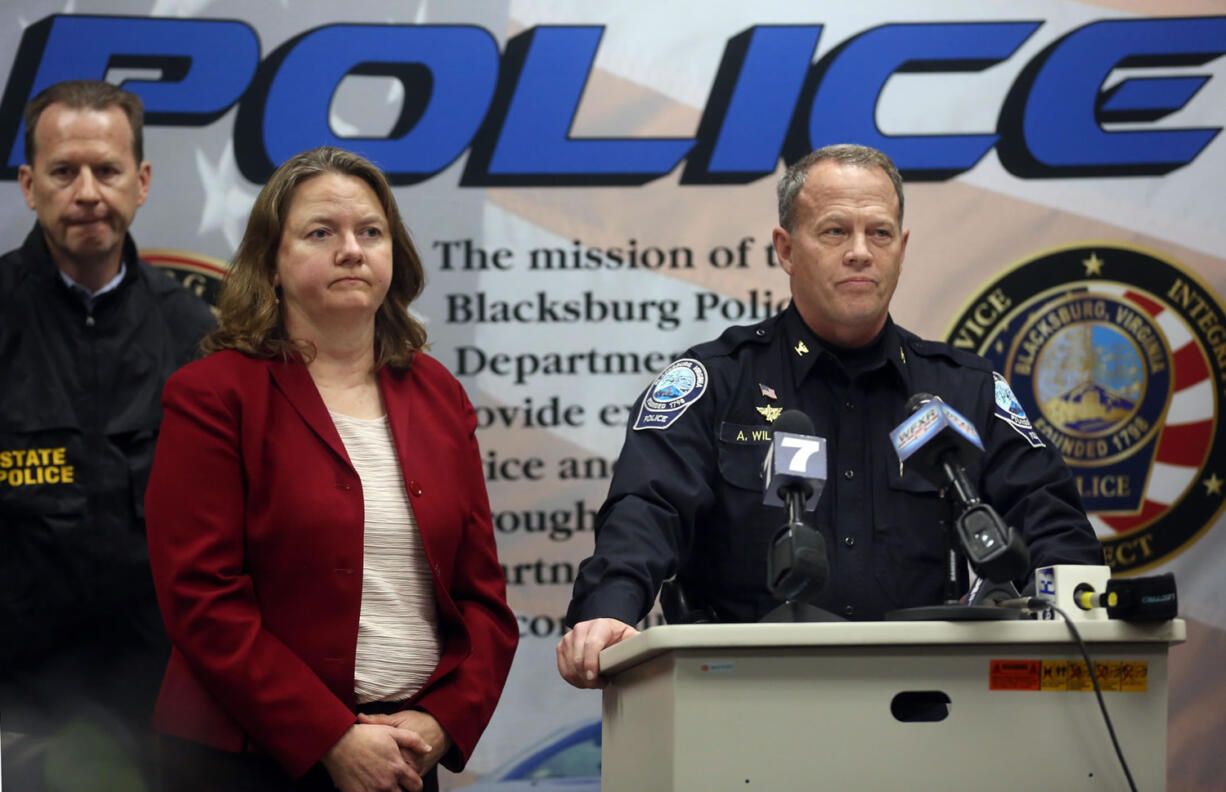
column 744, row 433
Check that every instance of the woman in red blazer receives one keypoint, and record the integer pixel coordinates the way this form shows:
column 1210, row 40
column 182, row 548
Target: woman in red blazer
column 257, row 516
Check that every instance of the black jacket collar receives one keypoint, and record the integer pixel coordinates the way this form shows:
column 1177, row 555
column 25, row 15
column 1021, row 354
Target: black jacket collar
column 806, row 348
column 36, row 257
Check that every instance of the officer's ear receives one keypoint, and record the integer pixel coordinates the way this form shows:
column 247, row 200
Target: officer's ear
column 144, row 176
column 25, row 177
column 782, row 241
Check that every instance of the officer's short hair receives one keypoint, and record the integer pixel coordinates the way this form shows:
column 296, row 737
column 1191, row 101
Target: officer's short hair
column 92, row 95
column 844, row 153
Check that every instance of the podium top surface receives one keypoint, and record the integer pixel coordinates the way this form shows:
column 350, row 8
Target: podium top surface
column 666, row 638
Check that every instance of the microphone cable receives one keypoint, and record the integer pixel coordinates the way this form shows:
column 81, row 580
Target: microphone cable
column 1038, row 604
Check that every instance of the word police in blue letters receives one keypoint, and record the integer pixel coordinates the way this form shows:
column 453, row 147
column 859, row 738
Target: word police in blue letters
column 514, row 109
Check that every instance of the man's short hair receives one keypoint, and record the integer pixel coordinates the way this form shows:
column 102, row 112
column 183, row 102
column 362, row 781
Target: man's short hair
column 844, row 153
column 92, row 95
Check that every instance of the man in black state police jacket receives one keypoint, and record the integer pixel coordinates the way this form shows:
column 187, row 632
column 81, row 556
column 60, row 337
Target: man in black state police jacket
column 88, row 335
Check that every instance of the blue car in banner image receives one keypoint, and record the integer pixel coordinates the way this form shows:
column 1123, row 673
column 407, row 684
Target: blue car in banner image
column 568, row 759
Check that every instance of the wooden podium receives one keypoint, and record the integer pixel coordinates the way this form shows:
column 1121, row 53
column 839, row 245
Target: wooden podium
column 809, row 706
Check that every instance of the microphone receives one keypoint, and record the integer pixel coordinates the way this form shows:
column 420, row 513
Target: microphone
column 795, row 463
column 794, row 473
column 1144, row 599
column 1151, row 598
column 937, row 442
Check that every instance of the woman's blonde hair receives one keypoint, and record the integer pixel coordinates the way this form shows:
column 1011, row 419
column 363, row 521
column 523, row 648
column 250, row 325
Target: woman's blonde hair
column 249, row 313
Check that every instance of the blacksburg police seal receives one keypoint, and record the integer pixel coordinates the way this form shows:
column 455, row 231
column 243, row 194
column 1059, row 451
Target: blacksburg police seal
column 1118, row 356
column 677, row 387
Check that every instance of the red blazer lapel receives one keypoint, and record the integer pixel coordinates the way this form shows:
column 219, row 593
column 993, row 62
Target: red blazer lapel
column 293, row 380
column 408, row 416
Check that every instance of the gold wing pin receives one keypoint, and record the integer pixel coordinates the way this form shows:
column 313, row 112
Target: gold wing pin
column 801, row 349
column 770, row 413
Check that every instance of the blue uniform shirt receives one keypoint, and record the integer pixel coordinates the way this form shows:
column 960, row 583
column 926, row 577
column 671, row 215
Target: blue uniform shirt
column 686, row 494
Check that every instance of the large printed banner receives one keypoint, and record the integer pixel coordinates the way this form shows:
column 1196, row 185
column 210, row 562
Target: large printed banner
column 591, row 187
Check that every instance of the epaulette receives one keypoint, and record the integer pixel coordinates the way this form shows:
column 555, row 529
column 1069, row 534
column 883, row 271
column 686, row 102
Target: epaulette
column 926, row 348
column 737, row 336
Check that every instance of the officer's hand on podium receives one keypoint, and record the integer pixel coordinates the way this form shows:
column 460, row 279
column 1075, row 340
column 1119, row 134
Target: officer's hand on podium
column 579, row 651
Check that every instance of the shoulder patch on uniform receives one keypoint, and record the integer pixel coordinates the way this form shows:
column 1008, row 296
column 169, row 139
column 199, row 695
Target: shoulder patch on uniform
column 671, row 394
column 1009, row 410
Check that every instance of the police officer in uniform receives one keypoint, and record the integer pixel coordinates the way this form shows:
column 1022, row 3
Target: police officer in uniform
column 686, row 496
column 88, row 335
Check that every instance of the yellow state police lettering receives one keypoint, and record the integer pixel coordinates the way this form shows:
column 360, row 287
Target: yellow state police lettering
column 20, row 467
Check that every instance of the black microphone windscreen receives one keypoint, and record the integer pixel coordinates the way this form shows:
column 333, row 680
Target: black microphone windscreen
column 916, row 401
column 797, row 566
column 793, row 422
column 1150, row 598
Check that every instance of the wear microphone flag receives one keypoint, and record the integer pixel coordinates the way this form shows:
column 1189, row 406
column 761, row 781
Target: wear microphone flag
column 936, row 419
